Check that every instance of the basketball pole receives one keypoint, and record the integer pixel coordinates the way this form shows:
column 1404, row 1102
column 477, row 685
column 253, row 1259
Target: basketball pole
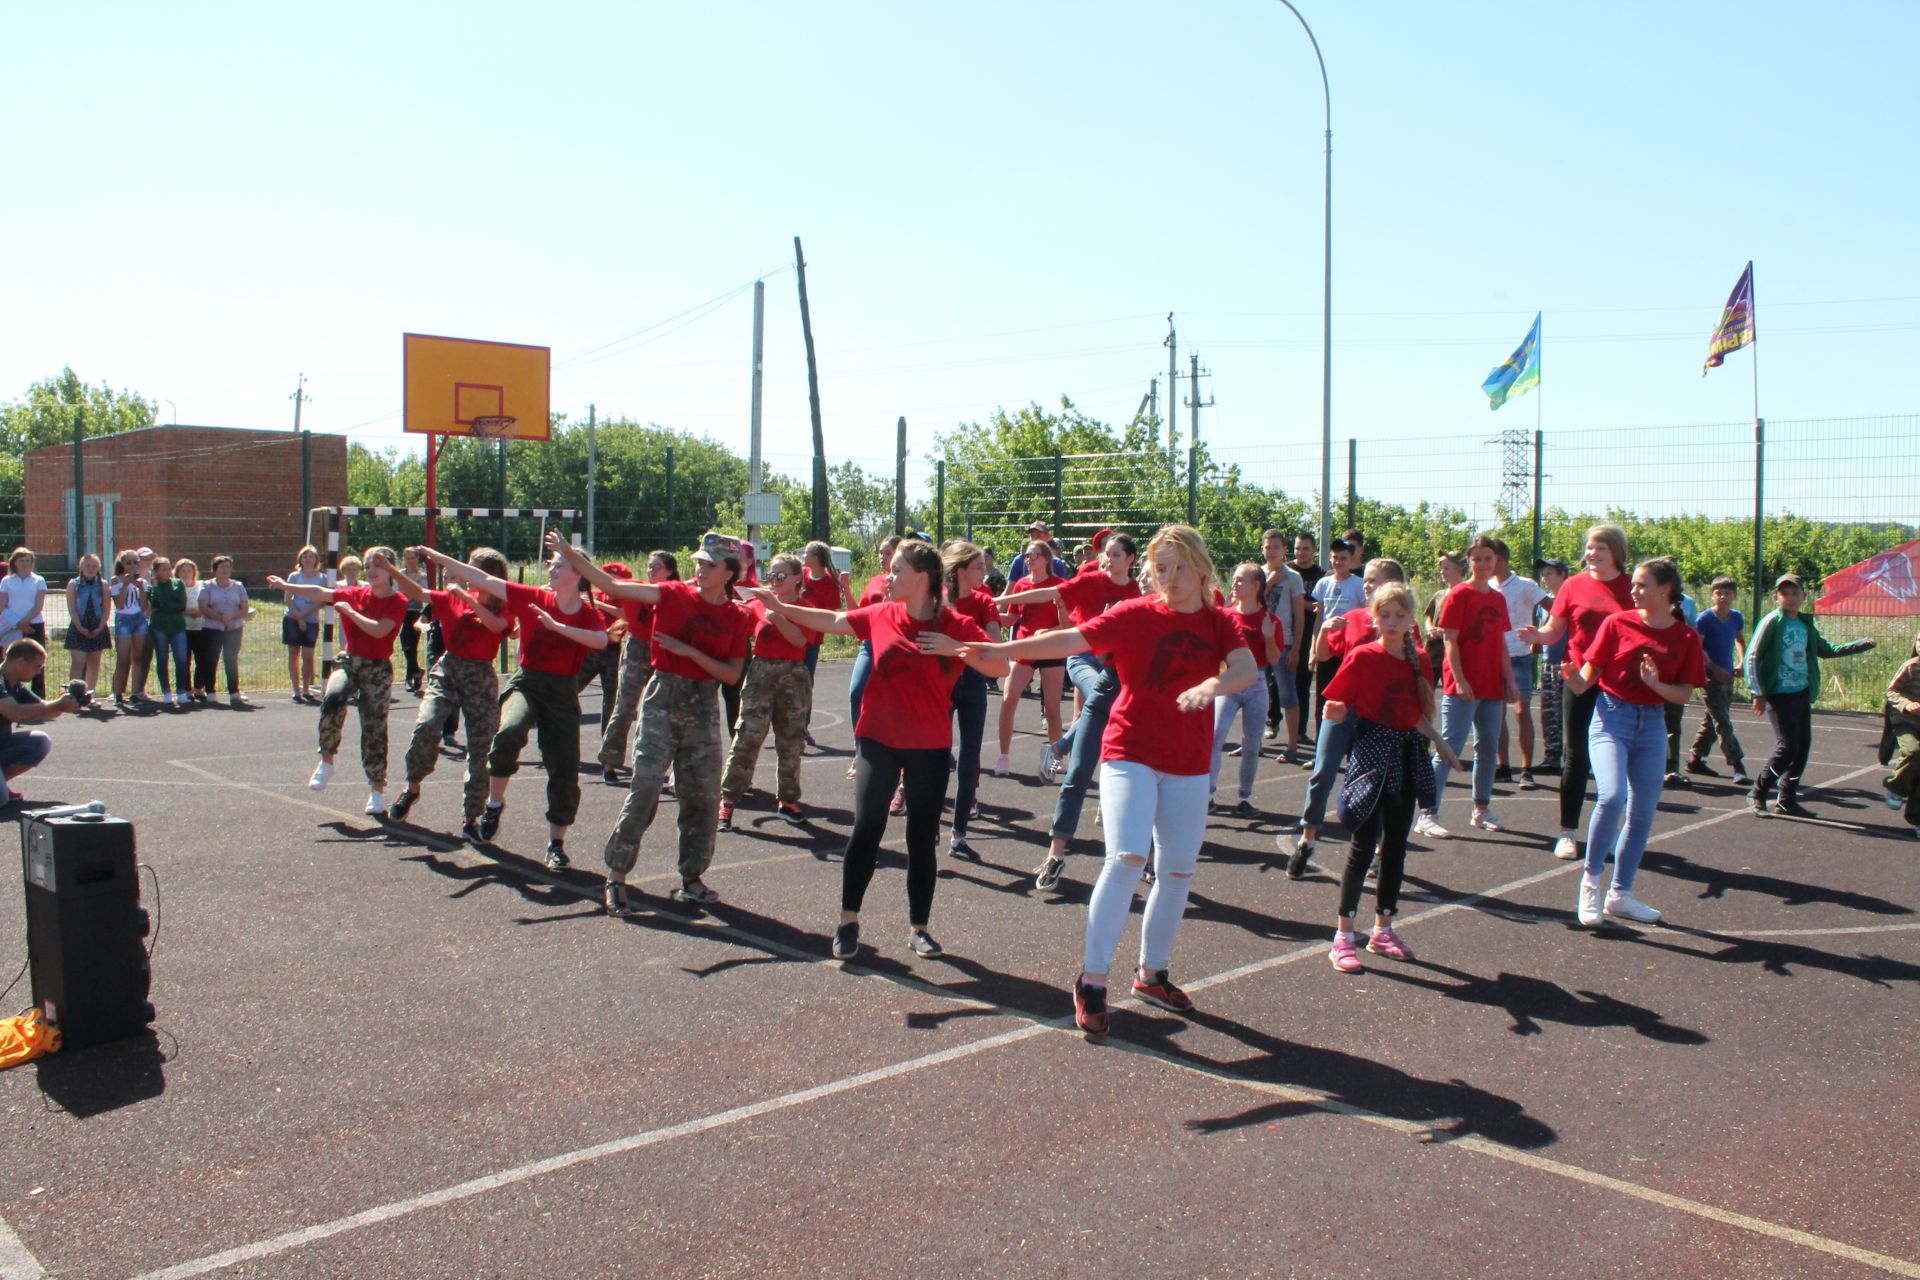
column 433, row 489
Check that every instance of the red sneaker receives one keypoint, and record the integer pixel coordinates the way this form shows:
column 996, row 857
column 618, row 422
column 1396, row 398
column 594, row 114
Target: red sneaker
column 1090, row 1008
column 1157, row 988
column 726, row 815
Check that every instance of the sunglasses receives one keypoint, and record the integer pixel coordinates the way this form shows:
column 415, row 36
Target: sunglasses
column 778, row 577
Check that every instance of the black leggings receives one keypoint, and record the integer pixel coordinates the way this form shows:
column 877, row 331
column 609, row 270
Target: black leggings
column 1791, row 715
column 881, row 768
column 1386, row 826
column 1576, row 717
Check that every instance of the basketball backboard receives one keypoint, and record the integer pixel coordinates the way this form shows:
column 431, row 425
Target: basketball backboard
column 452, row 381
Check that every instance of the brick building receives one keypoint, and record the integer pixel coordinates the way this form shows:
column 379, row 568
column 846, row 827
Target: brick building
column 184, row 491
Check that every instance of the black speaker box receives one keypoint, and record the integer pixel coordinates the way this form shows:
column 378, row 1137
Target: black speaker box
column 86, row 927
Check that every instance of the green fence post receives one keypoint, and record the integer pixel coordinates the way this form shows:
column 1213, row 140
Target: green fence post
column 1759, row 512
column 668, row 544
column 1539, row 449
column 1059, row 496
column 940, row 500
column 1193, row 485
column 1353, row 467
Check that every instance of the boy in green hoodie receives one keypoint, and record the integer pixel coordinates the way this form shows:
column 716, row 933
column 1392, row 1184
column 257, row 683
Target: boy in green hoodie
column 1783, row 671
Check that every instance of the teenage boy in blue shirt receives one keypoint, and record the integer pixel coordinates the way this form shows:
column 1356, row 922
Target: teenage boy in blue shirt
column 1722, row 629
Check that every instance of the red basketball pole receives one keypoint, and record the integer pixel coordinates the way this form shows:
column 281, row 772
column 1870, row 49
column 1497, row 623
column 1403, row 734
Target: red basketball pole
column 433, row 495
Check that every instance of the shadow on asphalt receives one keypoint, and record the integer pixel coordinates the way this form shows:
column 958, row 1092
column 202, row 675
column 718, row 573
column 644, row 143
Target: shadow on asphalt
column 1716, row 883
column 1780, row 956
column 1449, row 1108
column 1530, row 1001
column 103, row 1077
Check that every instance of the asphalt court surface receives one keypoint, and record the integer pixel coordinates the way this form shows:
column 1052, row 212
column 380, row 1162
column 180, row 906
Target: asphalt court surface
column 382, row 1053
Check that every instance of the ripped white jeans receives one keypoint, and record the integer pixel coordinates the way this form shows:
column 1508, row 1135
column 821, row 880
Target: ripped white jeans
column 1144, row 811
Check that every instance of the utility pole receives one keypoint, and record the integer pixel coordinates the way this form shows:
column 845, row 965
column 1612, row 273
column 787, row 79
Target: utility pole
column 1153, row 403
column 593, row 472
column 299, row 398
column 821, row 515
column 753, row 424
column 1194, row 402
column 1173, row 384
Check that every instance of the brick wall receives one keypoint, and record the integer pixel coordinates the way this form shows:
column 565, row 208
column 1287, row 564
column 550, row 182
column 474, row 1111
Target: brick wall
column 184, row 491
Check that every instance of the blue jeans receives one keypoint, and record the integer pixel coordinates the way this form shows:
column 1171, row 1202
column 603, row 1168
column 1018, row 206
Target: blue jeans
column 1628, row 747
column 1083, row 673
column 1329, row 753
column 1250, row 704
column 1100, row 688
column 174, row 646
column 857, row 685
column 1483, row 717
column 970, row 706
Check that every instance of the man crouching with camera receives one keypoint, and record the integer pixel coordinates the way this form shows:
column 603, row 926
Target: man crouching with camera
column 21, row 748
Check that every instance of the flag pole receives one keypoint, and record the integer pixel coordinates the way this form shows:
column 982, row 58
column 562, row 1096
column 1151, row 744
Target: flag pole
column 1759, row 455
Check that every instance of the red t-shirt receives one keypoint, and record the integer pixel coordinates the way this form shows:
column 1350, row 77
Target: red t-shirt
column 876, row 590
column 769, row 643
column 1158, row 655
column 1035, row 616
column 1249, row 625
column 718, row 630
column 374, row 609
column 547, row 651
column 908, row 704
column 639, row 616
column 1481, row 647
column 461, row 629
column 1623, row 638
column 979, row 606
column 1379, row 687
column 1091, row 566
column 819, row 593
column 1354, row 628
column 1585, row 602
column 1089, row 595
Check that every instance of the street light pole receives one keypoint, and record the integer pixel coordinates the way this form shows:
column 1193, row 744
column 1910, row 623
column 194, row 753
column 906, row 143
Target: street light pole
column 1326, row 314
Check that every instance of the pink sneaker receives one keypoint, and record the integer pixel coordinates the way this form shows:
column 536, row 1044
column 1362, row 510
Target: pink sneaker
column 1345, row 956
column 1385, row 942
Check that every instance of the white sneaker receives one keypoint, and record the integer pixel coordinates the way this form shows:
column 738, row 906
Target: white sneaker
column 1891, row 800
column 1429, row 826
column 321, row 772
column 1484, row 819
column 1567, row 847
column 1002, row 766
column 1049, row 763
column 1587, row 911
column 1628, row 907
column 376, row 804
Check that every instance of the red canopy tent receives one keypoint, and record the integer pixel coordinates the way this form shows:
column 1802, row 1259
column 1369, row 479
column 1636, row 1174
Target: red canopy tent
column 1882, row 586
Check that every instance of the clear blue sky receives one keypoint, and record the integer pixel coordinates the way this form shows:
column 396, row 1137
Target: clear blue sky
column 1000, row 203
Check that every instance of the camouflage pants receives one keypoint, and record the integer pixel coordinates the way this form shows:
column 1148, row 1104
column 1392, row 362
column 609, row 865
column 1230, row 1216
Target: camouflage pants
column 473, row 690
column 635, row 667
column 1550, row 726
column 367, row 682
column 679, row 726
column 537, row 702
column 779, row 693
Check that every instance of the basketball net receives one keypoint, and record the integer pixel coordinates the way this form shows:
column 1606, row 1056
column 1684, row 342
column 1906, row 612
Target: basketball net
column 494, row 426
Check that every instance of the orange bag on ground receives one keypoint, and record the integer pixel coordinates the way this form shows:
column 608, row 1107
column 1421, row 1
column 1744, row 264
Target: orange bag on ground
column 26, row 1037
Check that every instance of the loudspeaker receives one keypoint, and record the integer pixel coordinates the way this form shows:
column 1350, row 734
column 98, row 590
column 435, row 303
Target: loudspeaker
column 85, row 927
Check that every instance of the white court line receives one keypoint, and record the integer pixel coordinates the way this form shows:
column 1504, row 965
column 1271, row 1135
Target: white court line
column 521, row 1173
column 1806, row 933
column 16, row 1260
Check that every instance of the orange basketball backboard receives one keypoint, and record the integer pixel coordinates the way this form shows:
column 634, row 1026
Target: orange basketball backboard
column 452, row 381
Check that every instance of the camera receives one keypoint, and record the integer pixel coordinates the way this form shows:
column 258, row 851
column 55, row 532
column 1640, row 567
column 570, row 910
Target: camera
column 78, row 691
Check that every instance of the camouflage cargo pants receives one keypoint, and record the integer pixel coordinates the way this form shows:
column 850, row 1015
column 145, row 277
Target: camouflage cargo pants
column 540, row 703
column 777, row 693
column 472, row 689
column 366, row 682
column 679, row 726
column 635, row 668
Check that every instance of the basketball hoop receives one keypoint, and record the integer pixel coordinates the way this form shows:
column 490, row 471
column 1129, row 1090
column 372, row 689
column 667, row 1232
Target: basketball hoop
column 497, row 426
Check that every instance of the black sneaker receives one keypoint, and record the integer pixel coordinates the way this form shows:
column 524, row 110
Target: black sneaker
column 1696, row 765
column 1759, row 803
column 1245, row 809
column 1302, row 859
column 611, row 777
column 1677, row 780
column 614, row 898
column 470, row 832
column 923, row 944
column 402, row 805
column 490, row 822
column 1789, row 807
column 846, row 941
column 791, row 813
column 1046, row 876
column 1503, row 774
column 959, row 848
column 556, row 856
